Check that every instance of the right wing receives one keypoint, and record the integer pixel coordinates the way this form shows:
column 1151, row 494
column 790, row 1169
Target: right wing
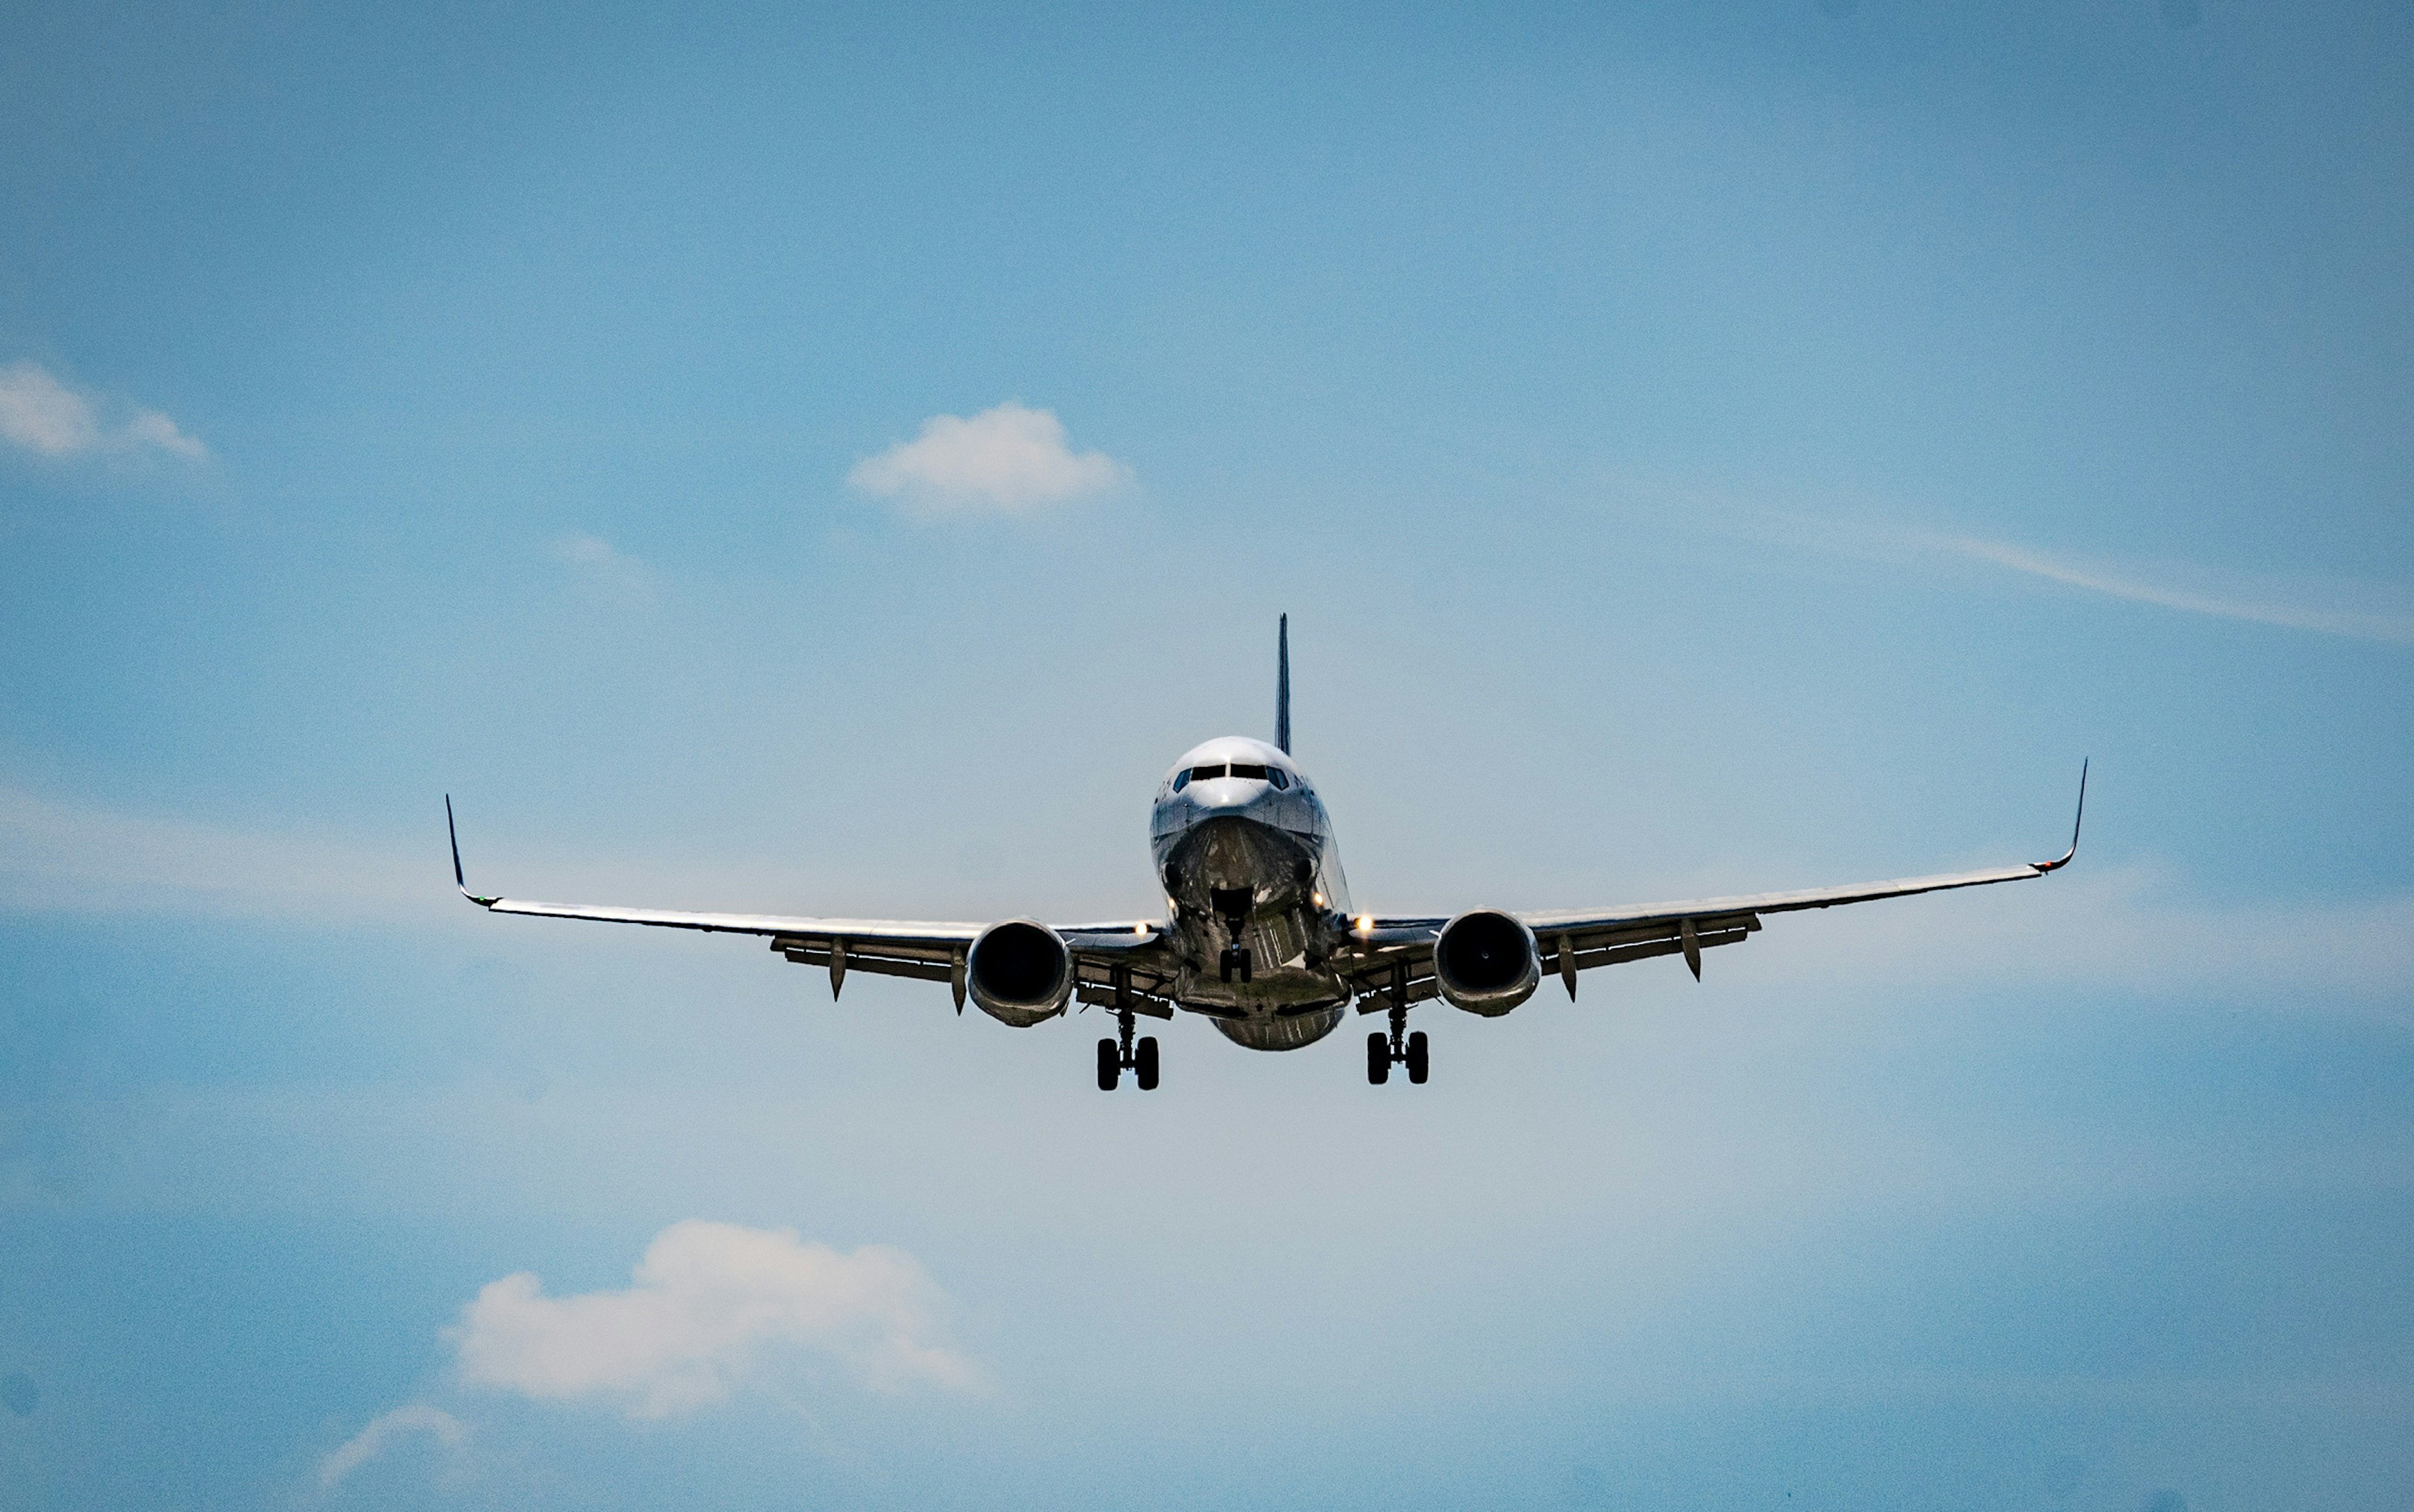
column 1395, row 956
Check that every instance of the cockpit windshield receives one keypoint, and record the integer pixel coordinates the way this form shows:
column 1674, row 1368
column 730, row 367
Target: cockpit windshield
column 1249, row 770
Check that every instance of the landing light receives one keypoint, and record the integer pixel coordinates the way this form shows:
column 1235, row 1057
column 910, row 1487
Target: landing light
column 1365, row 923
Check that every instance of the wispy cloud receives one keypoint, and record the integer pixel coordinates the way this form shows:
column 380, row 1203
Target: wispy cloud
column 2329, row 605
column 709, row 1300
column 603, row 571
column 2268, row 607
column 42, row 415
column 1008, row 459
column 372, row 1441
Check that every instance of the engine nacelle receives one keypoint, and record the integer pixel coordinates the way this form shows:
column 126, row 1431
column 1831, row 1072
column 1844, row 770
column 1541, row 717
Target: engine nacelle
column 1020, row 972
column 1487, row 963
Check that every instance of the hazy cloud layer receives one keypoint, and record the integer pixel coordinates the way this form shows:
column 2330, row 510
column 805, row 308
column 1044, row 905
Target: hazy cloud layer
column 374, row 1440
column 1009, row 459
column 42, row 415
column 2097, row 926
column 62, row 857
column 710, row 1303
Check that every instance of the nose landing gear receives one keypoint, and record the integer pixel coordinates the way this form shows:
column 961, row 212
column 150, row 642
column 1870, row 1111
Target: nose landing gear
column 1232, row 905
column 1121, row 1054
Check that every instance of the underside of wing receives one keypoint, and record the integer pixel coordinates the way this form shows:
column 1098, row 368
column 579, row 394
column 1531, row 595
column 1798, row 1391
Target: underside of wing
column 1391, row 959
column 1123, row 956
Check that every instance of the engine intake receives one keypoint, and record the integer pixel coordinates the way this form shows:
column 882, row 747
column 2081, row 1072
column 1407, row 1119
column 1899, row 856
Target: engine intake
column 1020, row 972
column 1487, row 963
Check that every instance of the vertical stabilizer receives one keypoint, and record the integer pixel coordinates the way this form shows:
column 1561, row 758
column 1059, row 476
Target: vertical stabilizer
column 1282, row 685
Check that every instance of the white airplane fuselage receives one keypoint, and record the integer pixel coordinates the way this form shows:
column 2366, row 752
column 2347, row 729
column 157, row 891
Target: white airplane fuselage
column 1255, row 892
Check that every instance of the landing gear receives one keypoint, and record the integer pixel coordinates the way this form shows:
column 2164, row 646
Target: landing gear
column 1121, row 1054
column 1399, row 1047
column 1233, row 905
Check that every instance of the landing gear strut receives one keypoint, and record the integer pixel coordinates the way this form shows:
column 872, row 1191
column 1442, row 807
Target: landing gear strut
column 1399, row 1047
column 1121, row 1054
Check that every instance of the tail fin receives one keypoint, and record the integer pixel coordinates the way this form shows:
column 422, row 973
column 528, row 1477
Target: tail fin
column 1282, row 686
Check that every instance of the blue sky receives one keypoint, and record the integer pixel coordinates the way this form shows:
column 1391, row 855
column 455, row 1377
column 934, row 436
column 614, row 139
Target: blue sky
column 1701, row 449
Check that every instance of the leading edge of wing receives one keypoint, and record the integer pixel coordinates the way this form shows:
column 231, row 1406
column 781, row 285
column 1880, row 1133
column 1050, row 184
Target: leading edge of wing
column 1774, row 902
column 864, row 929
column 1084, row 937
column 1386, row 930
column 720, row 923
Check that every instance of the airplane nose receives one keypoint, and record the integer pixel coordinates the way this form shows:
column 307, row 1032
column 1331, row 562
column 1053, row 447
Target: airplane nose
column 1226, row 795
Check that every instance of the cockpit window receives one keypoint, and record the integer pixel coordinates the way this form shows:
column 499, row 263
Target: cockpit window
column 1238, row 769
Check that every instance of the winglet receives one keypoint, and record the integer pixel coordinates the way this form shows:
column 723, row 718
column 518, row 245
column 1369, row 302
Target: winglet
column 2076, row 821
column 1282, row 685
column 458, row 880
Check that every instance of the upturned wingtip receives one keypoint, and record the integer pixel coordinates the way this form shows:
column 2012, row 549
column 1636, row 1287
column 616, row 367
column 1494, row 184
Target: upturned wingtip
column 2077, row 820
column 458, row 880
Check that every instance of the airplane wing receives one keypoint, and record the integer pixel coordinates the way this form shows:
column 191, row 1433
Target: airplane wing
column 1393, row 956
column 928, row 950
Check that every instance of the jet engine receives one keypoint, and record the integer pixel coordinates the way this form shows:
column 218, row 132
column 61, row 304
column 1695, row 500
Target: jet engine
column 1487, row 963
column 1020, row 972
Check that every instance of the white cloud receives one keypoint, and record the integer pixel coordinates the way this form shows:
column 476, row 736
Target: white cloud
column 372, row 1441
column 604, row 571
column 43, row 416
column 1009, row 459
column 51, row 420
column 710, row 1301
column 151, row 428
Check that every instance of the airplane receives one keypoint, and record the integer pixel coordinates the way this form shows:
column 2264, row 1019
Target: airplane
column 1259, row 934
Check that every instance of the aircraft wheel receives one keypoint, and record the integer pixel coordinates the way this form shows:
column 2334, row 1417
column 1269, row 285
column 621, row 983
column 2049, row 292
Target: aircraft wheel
column 1110, row 1066
column 1416, row 1057
column 1144, row 1063
column 1378, row 1058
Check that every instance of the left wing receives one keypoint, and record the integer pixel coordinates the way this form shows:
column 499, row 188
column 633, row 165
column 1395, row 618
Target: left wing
column 928, row 950
column 1396, row 956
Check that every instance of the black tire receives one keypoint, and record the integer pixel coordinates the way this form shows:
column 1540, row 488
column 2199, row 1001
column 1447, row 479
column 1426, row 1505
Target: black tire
column 1378, row 1058
column 1145, row 1069
column 1110, row 1066
column 1417, row 1061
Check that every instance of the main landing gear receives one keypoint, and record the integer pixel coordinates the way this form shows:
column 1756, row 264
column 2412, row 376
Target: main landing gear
column 1121, row 1054
column 1384, row 1051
